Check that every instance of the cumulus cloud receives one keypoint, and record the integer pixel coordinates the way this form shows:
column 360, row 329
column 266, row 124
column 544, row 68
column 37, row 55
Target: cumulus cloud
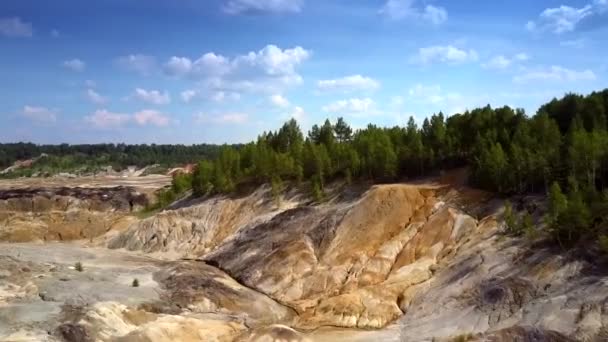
column 105, row 119
column 555, row 74
column 152, row 117
column 152, row 96
column 40, row 114
column 95, row 97
column 276, row 6
column 502, row 62
column 75, row 65
column 349, row 83
column 444, row 54
column 565, row 19
column 190, row 95
column 15, row 28
column 413, row 10
column 279, row 101
column 432, row 94
column 352, row 107
column 268, row 70
column 574, row 43
column 225, row 118
column 298, row 113
column 207, row 65
column 142, row 64
column 435, row 15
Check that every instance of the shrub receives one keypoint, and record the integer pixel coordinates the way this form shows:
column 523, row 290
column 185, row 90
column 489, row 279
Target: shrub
column 509, row 218
column 135, row 283
column 317, row 192
column 78, row 267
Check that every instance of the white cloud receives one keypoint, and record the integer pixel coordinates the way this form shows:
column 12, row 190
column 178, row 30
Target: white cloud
column 151, row 117
column 152, row 96
column 353, row 107
column 206, row 65
column 75, row 65
column 298, row 113
column 575, row 43
column 433, row 95
column 104, row 119
column 276, row 6
column 555, row 74
column 565, row 19
column 226, row 118
column 40, row 114
column 409, row 9
column 420, row 90
column 221, row 96
column 142, row 64
column 444, row 54
column 216, row 96
column 502, row 62
column 188, row 95
column 435, row 15
column 269, row 70
column 349, row 83
column 498, row 62
column 95, row 97
column 15, row 28
column 279, row 101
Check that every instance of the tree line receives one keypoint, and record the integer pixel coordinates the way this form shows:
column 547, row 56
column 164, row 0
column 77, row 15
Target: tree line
column 563, row 146
column 89, row 158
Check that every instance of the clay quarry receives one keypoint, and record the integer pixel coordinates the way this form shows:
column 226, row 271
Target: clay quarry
column 424, row 261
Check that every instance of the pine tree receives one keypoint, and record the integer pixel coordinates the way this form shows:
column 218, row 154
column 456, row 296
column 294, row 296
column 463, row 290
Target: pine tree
column 343, row 131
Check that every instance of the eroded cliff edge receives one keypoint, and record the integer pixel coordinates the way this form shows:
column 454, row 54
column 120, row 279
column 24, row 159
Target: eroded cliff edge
column 398, row 262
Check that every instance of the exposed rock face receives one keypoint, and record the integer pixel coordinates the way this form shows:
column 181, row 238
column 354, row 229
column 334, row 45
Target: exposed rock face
column 62, row 214
column 115, row 322
column 397, row 263
column 198, row 229
column 346, row 264
column 199, row 288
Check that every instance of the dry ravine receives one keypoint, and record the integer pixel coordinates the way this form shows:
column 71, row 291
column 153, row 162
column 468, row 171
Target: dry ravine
column 396, row 262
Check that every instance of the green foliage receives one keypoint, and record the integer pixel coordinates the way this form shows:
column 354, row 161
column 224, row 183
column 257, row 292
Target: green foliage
column 317, row 191
column 81, row 159
column 527, row 226
column 277, row 189
column 509, row 217
column 181, row 183
column 565, row 142
column 463, row 338
column 78, row 266
column 603, row 243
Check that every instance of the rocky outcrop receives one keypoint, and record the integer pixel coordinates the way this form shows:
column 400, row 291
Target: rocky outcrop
column 62, row 214
column 395, row 263
column 197, row 229
column 399, row 257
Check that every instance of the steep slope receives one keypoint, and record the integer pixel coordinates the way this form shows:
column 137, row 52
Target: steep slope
column 401, row 258
column 400, row 262
column 62, row 214
column 199, row 228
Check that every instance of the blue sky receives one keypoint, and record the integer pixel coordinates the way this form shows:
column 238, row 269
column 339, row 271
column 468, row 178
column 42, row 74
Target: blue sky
column 216, row 71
